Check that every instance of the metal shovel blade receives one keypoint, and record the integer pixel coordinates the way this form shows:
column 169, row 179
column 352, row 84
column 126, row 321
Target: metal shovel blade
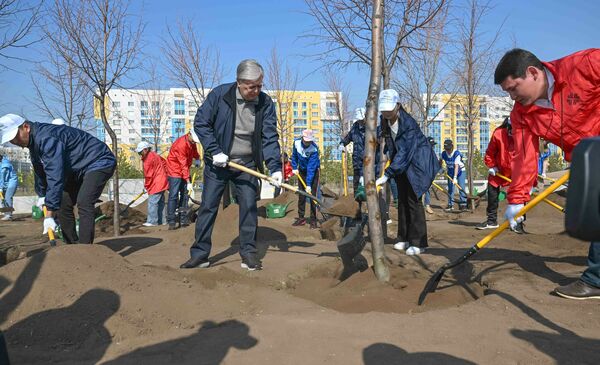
column 432, row 284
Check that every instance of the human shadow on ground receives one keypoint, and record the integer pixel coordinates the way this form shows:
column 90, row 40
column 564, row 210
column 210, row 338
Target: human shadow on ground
column 209, row 345
column 125, row 246
column 564, row 346
column 74, row 334
column 385, row 353
column 527, row 261
column 460, row 222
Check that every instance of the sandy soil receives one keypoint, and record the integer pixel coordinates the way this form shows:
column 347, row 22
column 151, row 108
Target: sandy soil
column 125, row 301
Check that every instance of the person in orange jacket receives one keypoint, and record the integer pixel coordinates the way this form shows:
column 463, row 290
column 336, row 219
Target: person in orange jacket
column 155, row 183
column 558, row 101
column 183, row 152
column 497, row 158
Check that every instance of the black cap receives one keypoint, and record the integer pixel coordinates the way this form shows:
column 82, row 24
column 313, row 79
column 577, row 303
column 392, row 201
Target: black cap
column 448, row 142
column 431, row 141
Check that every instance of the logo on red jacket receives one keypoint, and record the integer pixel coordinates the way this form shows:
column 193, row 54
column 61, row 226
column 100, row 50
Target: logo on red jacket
column 573, row 98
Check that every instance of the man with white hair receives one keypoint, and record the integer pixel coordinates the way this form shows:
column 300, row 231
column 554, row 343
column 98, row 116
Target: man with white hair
column 236, row 122
column 155, row 182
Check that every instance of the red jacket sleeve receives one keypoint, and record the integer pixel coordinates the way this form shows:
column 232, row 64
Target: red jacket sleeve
column 491, row 152
column 524, row 160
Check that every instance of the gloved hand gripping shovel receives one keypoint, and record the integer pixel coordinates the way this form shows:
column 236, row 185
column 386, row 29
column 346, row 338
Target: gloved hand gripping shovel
column 325, row 217
column 433, row 282
column 547, row 201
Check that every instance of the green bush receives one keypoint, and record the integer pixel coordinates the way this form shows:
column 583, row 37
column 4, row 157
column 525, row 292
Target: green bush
column 126, row 170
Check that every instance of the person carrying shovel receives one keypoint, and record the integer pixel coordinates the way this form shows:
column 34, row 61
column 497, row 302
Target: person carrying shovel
column 306, row 164
column 414, row 166
column 456, row 173
column 155, row 183
column 71, row 167
column 356, row 136
column 237, row 121
column 559, row 102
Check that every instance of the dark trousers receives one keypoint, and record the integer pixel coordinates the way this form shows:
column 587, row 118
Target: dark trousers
column 592, row 274
column 302, row 199
column 246, row 189
column 412, row 227
column 84, row 192
column 178, row 198
column 356, row 179
column 492, row 204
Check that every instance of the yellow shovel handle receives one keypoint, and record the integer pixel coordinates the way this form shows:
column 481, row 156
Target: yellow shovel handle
column 547, row 201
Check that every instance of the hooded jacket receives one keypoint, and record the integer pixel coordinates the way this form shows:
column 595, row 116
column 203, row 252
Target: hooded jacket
column 498, row 154
column 155, row 173
column 180, row 158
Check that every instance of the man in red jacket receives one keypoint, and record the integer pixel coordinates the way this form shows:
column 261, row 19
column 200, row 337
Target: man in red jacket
column 497, row 158
column 155, row 183
column 183, row 152
column 558, row 101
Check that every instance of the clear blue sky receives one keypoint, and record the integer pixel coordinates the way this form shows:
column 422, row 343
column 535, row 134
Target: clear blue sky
column 249, row 29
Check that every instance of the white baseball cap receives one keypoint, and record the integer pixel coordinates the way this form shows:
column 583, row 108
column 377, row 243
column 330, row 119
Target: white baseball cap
column 142, row 146
column 9, row 127
column 307, row 135
column 359, row 113
column 194, row 135
column 388, row 99
column 58, row 121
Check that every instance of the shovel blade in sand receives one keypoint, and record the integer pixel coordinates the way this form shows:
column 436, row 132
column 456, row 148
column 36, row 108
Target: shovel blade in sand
column 353, row 242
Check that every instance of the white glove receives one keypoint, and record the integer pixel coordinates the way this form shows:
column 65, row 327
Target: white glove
column 309, row 189
column 455, row 181
column 220, row 159
column 294, row 172
column 361, row 181
column 276, row 179
column 342, row 147
column 493, row 171
column 41, row 201
column 49, row 223
column 511, row 211
column 190, row 190
column 382, row 180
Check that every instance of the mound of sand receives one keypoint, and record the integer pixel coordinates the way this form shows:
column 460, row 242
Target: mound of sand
column 131, row 220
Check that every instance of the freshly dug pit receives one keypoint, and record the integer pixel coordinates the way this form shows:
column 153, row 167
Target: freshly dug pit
column 362, row 292
column 131, row 221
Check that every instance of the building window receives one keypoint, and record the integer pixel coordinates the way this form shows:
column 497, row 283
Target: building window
column 179, row 107
column 116, row 104
column 295, row 105
column 304, row 113
column 315, row 114
column 131, row 131
column 130, row 103
column 303, row 105
column 315, row 106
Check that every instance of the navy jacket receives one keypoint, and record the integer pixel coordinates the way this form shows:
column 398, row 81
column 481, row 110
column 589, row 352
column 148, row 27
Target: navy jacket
column 59, row 153
column 215, row 126
column 412, row 154
column 306, row 159
column 356, row 135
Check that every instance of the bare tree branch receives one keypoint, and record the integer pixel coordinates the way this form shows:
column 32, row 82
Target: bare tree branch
column 17, row 20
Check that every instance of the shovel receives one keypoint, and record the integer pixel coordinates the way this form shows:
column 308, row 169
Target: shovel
column 305, row 187
column 51, row 238
column 345, row 172
column 443, row 190
column 469, row 196
column 433, row 282
column 547, row 201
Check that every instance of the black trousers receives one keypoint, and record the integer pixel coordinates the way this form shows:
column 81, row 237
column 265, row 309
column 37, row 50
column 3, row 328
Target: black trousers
column 356, row 179
column 492, row 204
column 84, row 192
column 302, row 199
column 412, row 226
column 246, row 189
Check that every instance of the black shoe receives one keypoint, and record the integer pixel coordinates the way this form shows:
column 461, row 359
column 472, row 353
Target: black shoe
column 487, row 225
column 251, row 263
column 299, row 222
column 449, row 209
column 313, row 224
column 172, row 227
column 519, row 228
column 195, row 263
column 185, row 224
column 578, row 290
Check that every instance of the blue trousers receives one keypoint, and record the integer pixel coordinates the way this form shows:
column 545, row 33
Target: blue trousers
column 427, row 198
column 156, row 208
column 591, row 275
column 9, row 192
column 178, row 198
column 246, row 189
column 462, row 195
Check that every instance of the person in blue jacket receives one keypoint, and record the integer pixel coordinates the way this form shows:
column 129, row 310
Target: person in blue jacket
column 10, row 181
column 356, row 136
column 71, row 168
column 414, row 165
column 455, row 168
column 236, row 122
column 306, row 164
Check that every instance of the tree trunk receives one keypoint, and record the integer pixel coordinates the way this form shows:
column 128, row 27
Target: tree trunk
column 375, row 229
column 113, row 138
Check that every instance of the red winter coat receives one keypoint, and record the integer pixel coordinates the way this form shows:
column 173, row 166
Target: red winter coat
column 576, row 115
column 182, row 154
column 155, row 173
column 498, row 155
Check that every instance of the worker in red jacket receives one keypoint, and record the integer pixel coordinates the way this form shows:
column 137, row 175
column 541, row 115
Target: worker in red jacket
column 183, row 152
column 558, row 101
column 287, row 172
column 497, row 158
column 155, row 182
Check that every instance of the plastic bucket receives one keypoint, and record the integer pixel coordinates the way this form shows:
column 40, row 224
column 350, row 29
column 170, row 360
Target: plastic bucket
column 36, row 212
column 360, row 194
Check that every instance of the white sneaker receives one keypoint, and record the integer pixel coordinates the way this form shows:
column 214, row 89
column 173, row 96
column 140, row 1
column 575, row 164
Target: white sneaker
column 389, row 221
column 148, row 225
column 414, row 250
column 7, row 217
column 401, row 246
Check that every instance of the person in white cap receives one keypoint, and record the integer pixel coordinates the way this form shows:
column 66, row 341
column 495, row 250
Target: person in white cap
column 306, row 164
column 237, row 121
column 182, row 154
column 413, row 166
column 71, row 167
column 58, row 121
column 356, row 136
column 155, row 182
